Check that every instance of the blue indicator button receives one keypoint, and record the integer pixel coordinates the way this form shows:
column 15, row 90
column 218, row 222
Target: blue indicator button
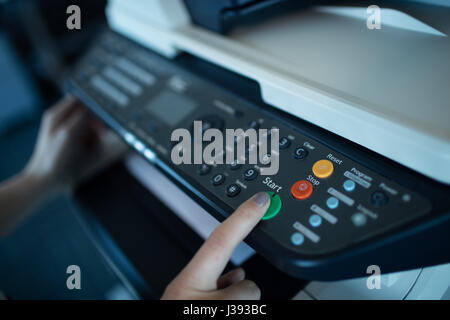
column 297, row 239
column 315, row 220
column 349, row 185
column 359, row 219
column 332, row 202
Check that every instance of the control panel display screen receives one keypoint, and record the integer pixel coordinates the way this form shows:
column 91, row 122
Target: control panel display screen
column 170, row 107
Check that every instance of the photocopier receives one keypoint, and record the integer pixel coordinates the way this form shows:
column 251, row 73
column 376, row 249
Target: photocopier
column 363, row 115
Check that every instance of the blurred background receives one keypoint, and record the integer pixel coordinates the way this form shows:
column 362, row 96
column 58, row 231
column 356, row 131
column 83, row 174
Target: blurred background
column 36, row 51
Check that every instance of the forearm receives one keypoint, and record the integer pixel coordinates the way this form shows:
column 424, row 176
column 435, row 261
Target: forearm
column 19, row 196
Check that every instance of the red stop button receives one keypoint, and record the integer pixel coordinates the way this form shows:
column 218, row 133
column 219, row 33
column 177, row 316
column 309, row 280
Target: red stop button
column 302, row 190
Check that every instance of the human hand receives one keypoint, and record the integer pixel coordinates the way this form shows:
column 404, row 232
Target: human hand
column 66, row 137
column 201, row 279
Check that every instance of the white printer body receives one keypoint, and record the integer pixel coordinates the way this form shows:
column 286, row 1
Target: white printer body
column 385, row 89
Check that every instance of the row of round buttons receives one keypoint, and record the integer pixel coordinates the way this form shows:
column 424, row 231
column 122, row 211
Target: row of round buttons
column 332, row 203
column 251, row 174
column 219, row 178
column 248, row 175
column 232, row 190
column 303, row 189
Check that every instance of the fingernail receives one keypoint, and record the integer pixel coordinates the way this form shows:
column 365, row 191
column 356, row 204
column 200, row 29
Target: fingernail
column 261, row 198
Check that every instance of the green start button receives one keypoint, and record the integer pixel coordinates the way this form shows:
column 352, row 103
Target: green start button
column 275, row 206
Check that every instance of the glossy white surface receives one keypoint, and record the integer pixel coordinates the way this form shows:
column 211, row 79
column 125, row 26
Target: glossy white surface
column 385, row 89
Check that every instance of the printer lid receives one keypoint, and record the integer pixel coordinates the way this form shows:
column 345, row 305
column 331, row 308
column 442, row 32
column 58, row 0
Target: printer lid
column 386, row 89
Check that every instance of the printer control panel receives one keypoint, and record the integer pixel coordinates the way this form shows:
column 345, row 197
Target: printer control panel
column 321, row 200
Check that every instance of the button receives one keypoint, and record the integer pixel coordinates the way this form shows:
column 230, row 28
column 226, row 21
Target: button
column 206, row 125
column 149, row 154
column 109, row 91
column 379, row 198
column 284, row 143
column 135, row 71
column 210, row 121
column 218, row 179
column 122, row 81
column 323, row 169
column 349, row 185
column 234, row 165
column 269, row 131
column 300, row 153
column 315, row 220
column 275, row 206
column 253, row 125
column 266, row 159
column 302, row 190
column 332, row 202
column 406, row 198
column 130, row 138
column 250, row 174
column 139, row 146
column 233, row 190
column 359, row 219
column 204, row 169
column 297, row 239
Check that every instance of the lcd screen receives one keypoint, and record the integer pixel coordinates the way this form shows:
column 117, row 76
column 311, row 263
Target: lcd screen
column 171, row 107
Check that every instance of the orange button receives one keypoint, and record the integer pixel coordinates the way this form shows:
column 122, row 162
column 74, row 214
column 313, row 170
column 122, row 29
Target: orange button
column 323, row 169
column 302, row 190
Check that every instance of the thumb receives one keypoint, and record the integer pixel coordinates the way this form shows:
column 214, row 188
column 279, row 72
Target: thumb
column 242, row 290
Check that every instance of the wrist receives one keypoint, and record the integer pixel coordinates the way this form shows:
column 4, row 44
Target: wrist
column 41, row 185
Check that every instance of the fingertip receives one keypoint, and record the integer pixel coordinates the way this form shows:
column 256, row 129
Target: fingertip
column 253, row 289
column 242, row 290
column 256, row 206
column 230, row 278
column 218, row 248
column 261, row 199
column 238, row 275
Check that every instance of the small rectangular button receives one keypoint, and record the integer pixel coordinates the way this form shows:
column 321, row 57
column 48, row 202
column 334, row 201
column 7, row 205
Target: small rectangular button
column 306, row 232
column 149, row 62
column 324, row 214
column 357, row 179
column 135, row 71
column 109, row 91
column 123, row 81
column 347, row 200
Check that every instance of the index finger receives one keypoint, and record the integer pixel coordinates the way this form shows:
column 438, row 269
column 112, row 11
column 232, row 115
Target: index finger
column 210, row 261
